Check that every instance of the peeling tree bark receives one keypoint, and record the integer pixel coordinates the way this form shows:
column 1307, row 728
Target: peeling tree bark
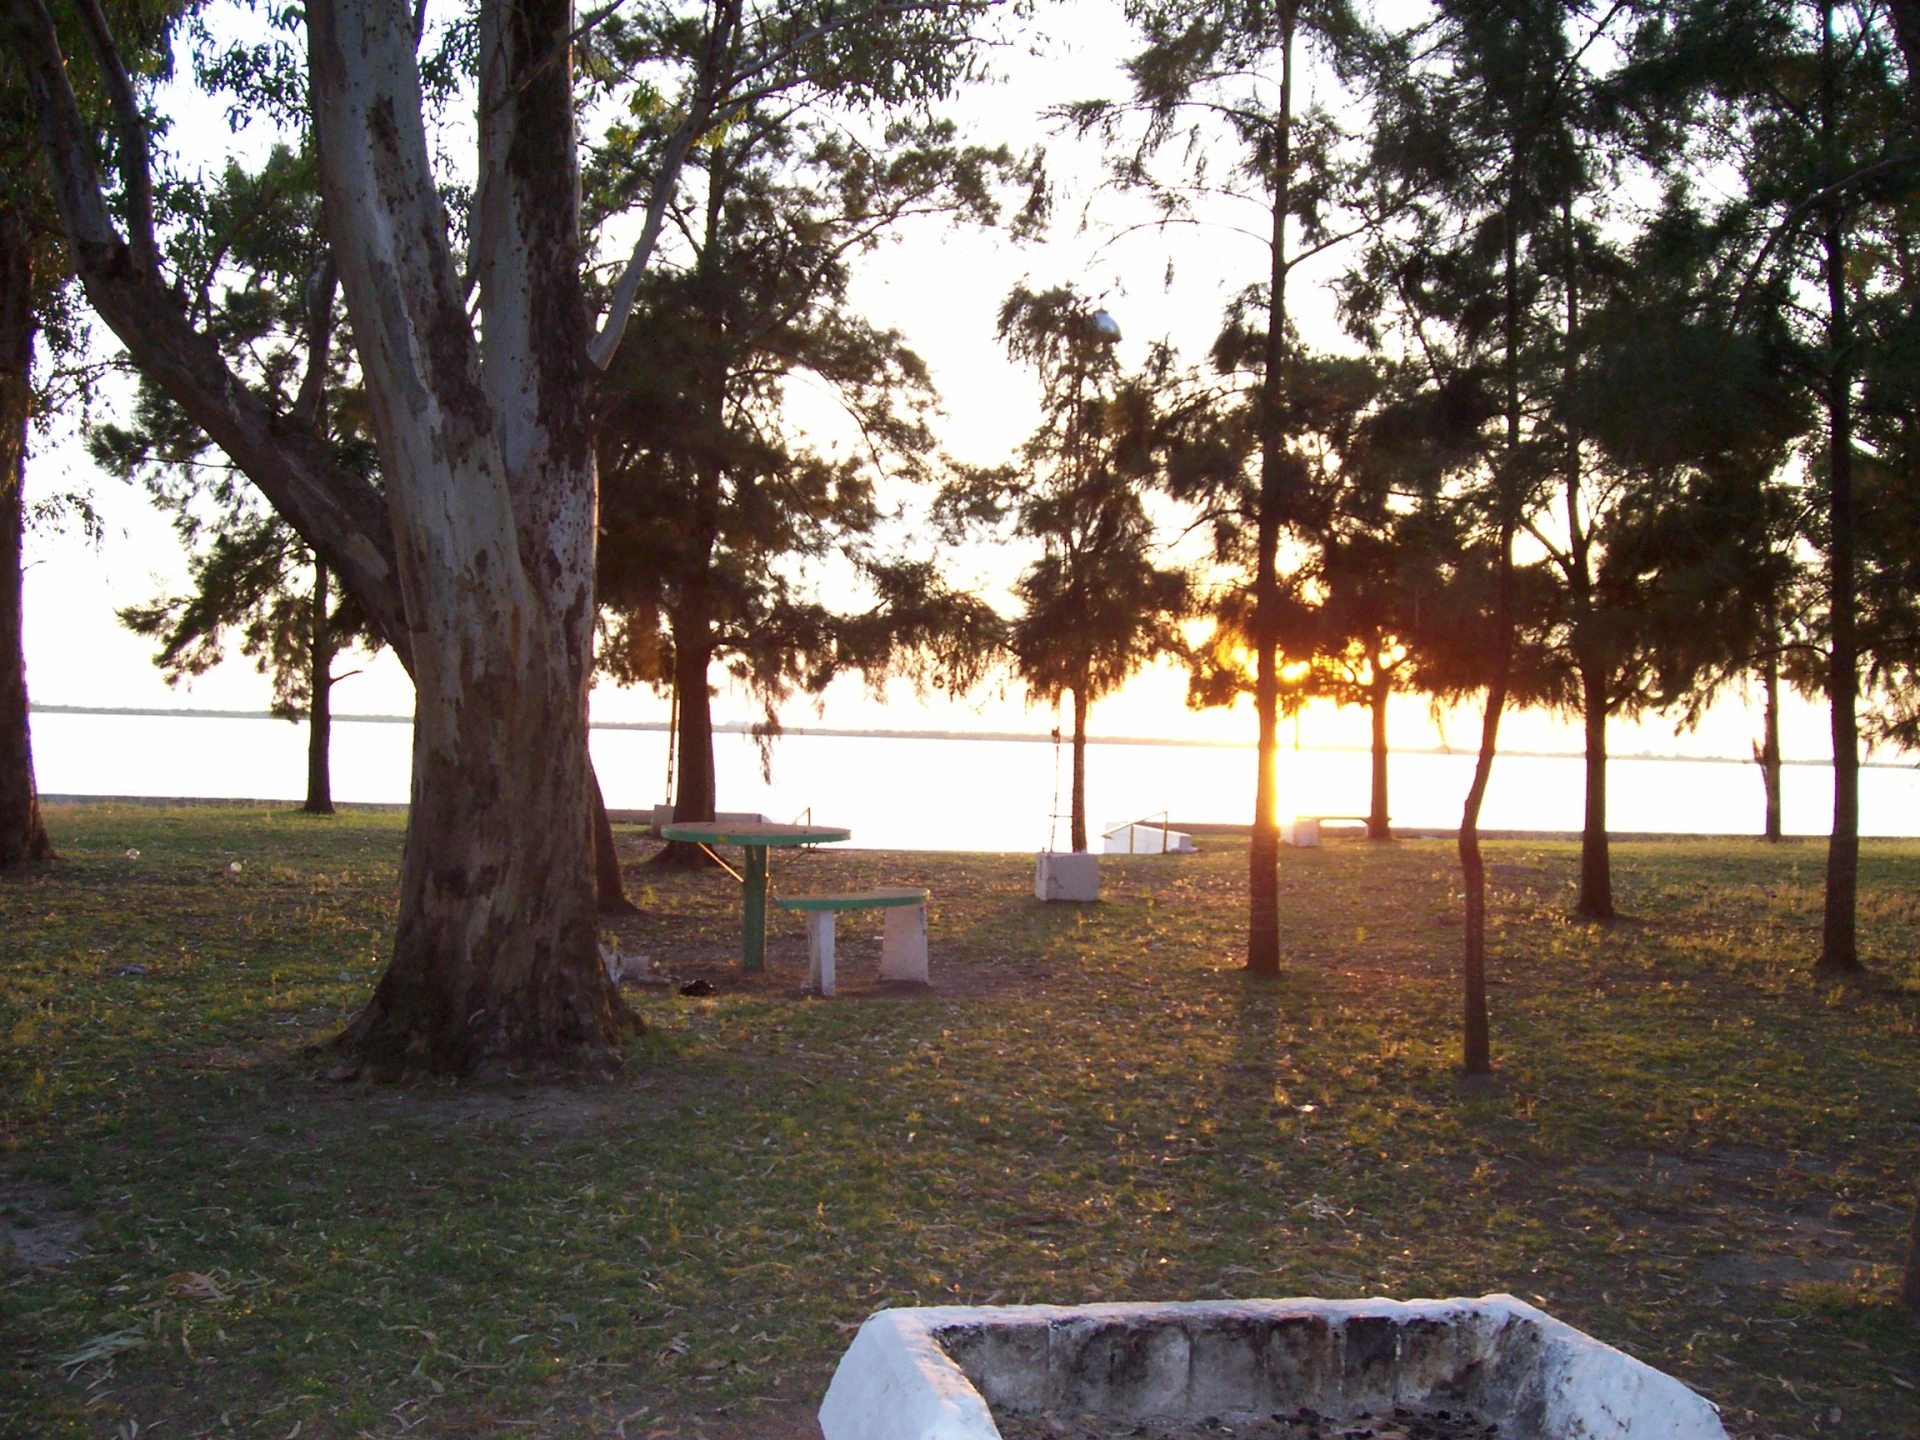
column 23, row 833
column 487, row 455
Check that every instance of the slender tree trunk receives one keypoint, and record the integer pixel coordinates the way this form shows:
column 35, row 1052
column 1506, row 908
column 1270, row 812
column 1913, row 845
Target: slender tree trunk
column 1839, row 953
column 1596, row 862
column 1768, row 751
column 1078, row 805
column 320, row 708
column 1595, row 900
column 23, row 834
column 1263, row 851
column 610, row 895
column 486, row 449
column 1476, row 1043
column 1379, row 826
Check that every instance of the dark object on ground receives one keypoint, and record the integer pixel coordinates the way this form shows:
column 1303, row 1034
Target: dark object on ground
column 1402, row 1424
column 697, row 988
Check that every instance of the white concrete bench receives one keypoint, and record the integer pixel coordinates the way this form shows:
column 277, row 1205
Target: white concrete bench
column 903, row 949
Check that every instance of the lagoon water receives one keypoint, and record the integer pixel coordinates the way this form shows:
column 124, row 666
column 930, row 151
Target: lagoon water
column 899, row 792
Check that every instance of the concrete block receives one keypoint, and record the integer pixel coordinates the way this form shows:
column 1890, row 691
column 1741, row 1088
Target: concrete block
column 903, row 945
column 820, row 952
column 1066, row 875
column 1303, row 832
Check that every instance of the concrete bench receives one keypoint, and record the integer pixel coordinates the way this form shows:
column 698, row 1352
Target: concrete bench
column 903, row 949
column 1304, row 830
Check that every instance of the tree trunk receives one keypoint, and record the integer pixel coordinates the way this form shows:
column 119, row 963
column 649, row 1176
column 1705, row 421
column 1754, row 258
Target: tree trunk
column 486, row 451
column 1379, row 826
column 23, row 834
column 1078, row 805
column 1263, row 851
column 696, row 791
column 610, row 894
column 1768, row 751
column 1839, row 953
column 320, row 707
column 1595, row 901
column 1476, row 1041
column 1476, row 1044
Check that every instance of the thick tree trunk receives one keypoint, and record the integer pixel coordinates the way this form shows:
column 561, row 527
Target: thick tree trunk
column 1379, row 825
column 1078, row 805
column 1595, row 900
column 23, row 834
column 1768, row 751
column 1839, row 953
column 696, row 789
column 487, row 455
column 1263, row 850
column 320, row 709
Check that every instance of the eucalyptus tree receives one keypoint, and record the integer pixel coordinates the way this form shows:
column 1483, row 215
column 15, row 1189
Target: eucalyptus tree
column 476, row 558
column 1212, row 73
column 1485, row 115
column 1096, row 604
column 714, row 506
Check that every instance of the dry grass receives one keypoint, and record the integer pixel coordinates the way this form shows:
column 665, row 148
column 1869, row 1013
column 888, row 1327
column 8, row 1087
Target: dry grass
column 1690, row 1150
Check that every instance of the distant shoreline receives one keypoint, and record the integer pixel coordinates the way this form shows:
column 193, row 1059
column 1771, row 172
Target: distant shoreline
column 1024, row 737
column 1198, row 828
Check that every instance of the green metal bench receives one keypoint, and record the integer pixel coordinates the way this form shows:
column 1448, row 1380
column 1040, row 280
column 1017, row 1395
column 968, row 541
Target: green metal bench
column 903, row 949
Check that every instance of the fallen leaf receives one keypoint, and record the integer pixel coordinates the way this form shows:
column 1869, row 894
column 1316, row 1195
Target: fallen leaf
column 191, row 1285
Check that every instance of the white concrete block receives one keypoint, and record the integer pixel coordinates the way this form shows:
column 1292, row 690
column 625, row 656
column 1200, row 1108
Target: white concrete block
column 820, row 952
column 1304, row 832
column 1066, row 875
column 903, row 946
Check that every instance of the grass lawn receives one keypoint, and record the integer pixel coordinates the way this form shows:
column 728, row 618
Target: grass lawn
column 1691, row 1150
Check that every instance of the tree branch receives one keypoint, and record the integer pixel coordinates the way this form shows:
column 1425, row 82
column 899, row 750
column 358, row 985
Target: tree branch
column 136, row 177
column 340, row 516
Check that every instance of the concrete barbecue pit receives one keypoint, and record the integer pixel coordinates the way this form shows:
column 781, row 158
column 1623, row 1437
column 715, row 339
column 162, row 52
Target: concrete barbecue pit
column 942, row 1373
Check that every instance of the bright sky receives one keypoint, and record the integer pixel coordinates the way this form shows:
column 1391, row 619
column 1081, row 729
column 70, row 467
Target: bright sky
column 942, row 289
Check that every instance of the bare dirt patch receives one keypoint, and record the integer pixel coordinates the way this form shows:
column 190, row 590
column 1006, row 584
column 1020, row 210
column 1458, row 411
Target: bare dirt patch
column 37, row 1231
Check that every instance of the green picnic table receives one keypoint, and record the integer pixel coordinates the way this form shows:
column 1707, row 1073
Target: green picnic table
column 754, row 838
